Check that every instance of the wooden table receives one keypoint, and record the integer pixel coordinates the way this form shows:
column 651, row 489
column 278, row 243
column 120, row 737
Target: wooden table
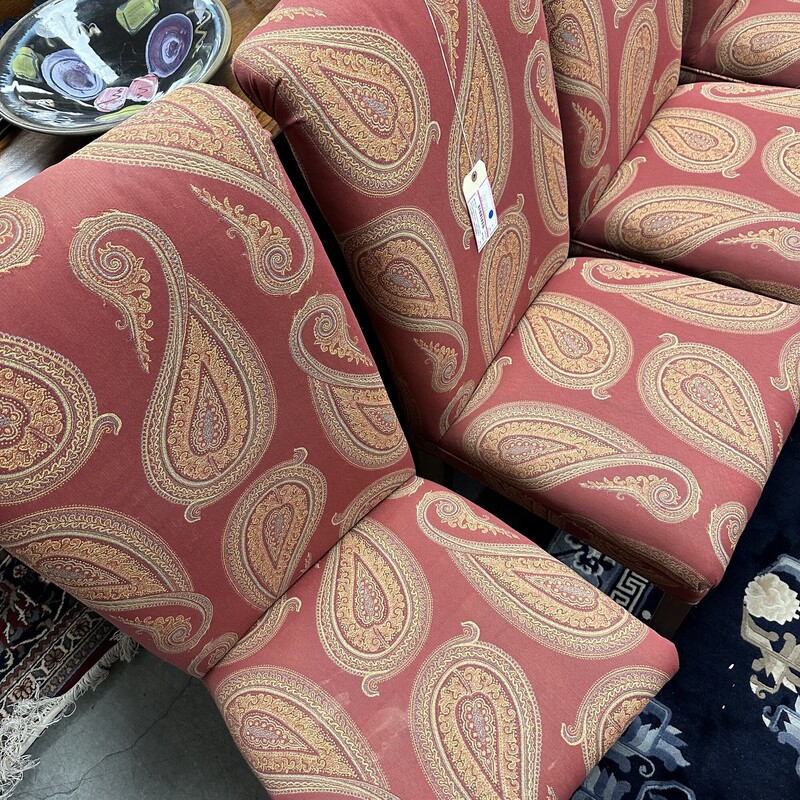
column 24, row 154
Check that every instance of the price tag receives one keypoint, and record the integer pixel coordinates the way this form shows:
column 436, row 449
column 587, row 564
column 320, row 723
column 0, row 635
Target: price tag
column 480, row 204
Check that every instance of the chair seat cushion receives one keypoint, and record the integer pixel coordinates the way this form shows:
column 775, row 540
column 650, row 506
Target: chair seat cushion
column 643, row 410
column 757, row 42
column 435, row 652
column 712, row 189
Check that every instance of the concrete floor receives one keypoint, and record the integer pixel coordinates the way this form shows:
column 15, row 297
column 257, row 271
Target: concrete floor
column 149, row 732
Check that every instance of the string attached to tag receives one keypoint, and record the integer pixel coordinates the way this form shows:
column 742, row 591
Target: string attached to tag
column 476, row 187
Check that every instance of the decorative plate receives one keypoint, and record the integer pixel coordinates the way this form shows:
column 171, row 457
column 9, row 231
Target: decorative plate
column 81, row 66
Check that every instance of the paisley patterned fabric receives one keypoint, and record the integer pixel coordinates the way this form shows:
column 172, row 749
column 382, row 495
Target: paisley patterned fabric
column 238, row 494
column 155, row 458
column 641, row 411
column 363, row 95
column 536, row 389
column 436, row 653
column 745, row 40
column 614, row 66
column 21, row 233
column 712, row 188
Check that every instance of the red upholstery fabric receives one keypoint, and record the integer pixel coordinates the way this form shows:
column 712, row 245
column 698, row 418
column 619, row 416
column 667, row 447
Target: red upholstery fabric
column 750, row 40
column 615, row 64
column 358, row 126
column 712, row 189
column 644, row 410
column 188, row 420
column 436, row 654
column 361, row 91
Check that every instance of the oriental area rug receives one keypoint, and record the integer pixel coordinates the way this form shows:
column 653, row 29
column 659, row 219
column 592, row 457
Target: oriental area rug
column 52, row 650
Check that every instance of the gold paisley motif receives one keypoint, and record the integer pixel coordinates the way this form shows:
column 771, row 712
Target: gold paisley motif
column 456, row 406
column 221, row 409
column 447, row 12
column 208, row 133
column 781, row 240
column 725, row 528
column 269, row 529
column 279, row 14
column 537, row 594
column 675, row 22
column 788, row 379
column 669, row 222
column 785, row 102
column 539, row 446
column 21, row 233
column 780, row 291
column 359, row 91
column 114, row 564
column 706, row 398
column 609, row 707
column 575, row 344
column 693, row 300
column 781, row 159
column 263, row 632
column 368, row 498
column 525, row 15
column 298, row 738
column 760, row 45
column 275, row 267
column 621, row 9
column 546, row 141
column 374, row 605
column 501, row 277
column 119, row 277
column 637, row 66
column 212, row 411
column 348, row 392
column 403, row 269
column 212, row 654
column 484, row 103
column 475, row 721
column 49, row 422
column 201, row 130
column 701, row 141
column 580, row 59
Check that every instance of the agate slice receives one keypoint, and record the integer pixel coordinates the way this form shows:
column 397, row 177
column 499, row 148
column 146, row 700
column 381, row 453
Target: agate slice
column 169, row 44
column 67, row 73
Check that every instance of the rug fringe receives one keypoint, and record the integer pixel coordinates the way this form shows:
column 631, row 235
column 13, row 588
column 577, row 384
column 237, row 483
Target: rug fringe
column 29, row 718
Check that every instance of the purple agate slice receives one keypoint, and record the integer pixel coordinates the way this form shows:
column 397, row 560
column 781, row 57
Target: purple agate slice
column 67, row 73
column 169, row 44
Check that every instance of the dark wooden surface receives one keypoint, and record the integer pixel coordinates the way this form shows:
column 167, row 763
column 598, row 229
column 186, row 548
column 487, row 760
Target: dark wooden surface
column 24, row 154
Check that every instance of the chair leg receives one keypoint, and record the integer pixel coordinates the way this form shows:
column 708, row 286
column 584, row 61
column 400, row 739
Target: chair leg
column 433, row 468
column 669, row 615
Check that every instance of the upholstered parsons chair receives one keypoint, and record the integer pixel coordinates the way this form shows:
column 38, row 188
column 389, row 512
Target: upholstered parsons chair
column 194, row 441
column 746, row 40
column 636, row 407
column 703, row 178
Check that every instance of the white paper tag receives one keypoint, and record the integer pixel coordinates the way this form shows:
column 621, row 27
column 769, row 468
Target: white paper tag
column 480, row 204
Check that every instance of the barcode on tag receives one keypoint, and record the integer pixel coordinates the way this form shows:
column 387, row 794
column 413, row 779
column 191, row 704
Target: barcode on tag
column 480, row 204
